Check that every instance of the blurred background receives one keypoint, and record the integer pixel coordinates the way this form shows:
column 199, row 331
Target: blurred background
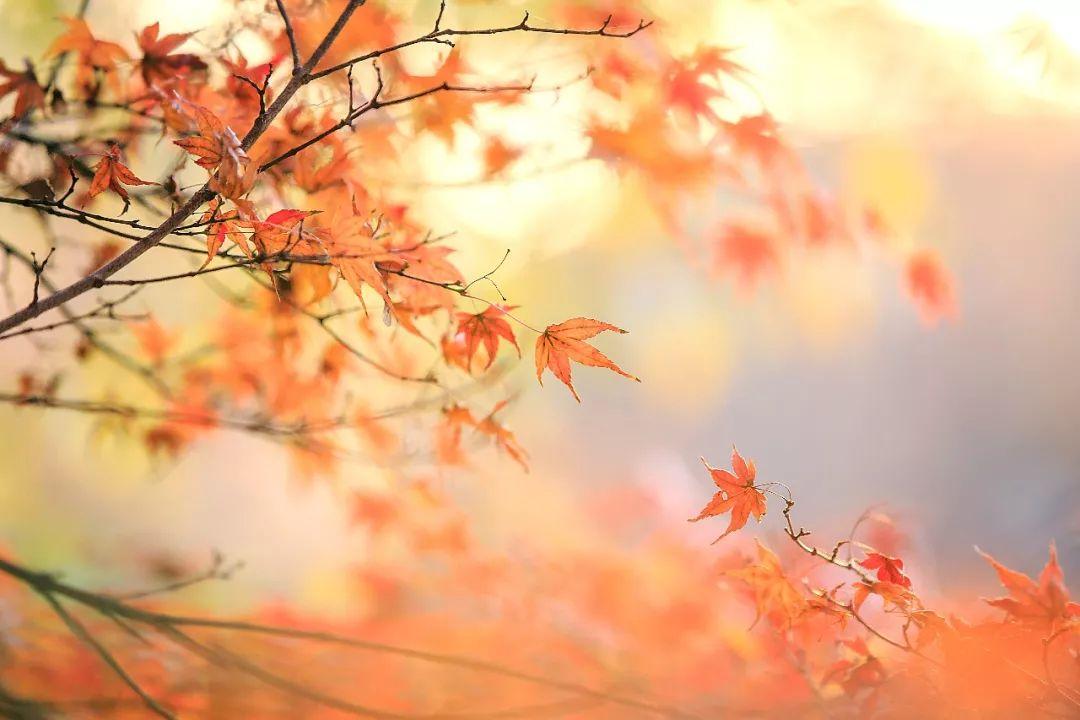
column 959, row 119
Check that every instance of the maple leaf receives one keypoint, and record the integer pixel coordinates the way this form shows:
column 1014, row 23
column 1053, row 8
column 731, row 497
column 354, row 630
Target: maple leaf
column 274, row 234
column 427, row 263
column 757, row 137
column 457, row 417
column 216, row 146
column 448, row 435
column 930, row 285
column 1042, row 602
column 559, row 344
column 111, row 174
column 899, row 595
column 158, row 65
column 310, row 283
column 737, row 494
column 504, row 439
column 154, row 340
column 441, row 114
column 485, row 328
column 498, row 155
column 685, row 87
column 747, row 251
column 649, row 144
column 355, row 252
column 775, row 598
column 861, row 672
column 92, row 54
column 889, row 569
column 222, row 225
column 931, row 627
column 24, row 85
column 615, row 72
column 100, row 54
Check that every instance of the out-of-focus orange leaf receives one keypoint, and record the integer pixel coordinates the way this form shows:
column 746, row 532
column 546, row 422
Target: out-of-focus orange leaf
column 1042, row 602
column 499, row 155
column 154, row 340
column 24, row 85
column 93, row 54
column 931, row 286
column 158, row 65
column 746, row 251
column 775, row 598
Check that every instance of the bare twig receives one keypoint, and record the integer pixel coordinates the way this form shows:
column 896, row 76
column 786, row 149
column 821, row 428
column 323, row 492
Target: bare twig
column 291, row 35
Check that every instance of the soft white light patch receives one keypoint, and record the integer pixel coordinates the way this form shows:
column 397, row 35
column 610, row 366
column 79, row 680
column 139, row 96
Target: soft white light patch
column 981, row 17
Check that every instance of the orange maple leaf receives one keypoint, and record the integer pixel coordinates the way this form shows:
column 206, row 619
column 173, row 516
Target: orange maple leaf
column 111, row 174
column 485, row 328
column 898, row 595
column 757, row 137
column 28, row 93
column 355, row 252
column 274, row 234
column 648, row 144
column 154, row 340
column 99, row 54
column 889, row 569
column 1045, row 601
column 499, row 155
column 457, row 417
column 775, row 598
column 92, row 54
column 686, row 88
column 737, row 493
column 158, row 65
column 222, row 225
column 746, row 251
column 559, row 344
column 930, row 285
column 217, row 146
column 504, row 438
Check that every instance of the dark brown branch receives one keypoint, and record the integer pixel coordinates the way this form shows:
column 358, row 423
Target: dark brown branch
column 438, row 34
column 355, row 113
column 38, row 271
column 291, row 35
column 218, row 570
column 104, row 311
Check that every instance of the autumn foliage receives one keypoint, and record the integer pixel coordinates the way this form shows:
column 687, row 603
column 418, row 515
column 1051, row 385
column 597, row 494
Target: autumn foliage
column 339, row 322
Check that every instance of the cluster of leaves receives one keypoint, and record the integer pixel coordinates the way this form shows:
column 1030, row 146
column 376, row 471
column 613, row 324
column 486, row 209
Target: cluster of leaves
column 291, row 205
column 883, row 647
column 288, row 146
column 652, row 627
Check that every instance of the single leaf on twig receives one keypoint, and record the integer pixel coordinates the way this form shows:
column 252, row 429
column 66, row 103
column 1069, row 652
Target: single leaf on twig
column 559, row 344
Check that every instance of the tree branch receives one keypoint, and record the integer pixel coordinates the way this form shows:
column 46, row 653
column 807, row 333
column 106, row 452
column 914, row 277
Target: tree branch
column 203, row 195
